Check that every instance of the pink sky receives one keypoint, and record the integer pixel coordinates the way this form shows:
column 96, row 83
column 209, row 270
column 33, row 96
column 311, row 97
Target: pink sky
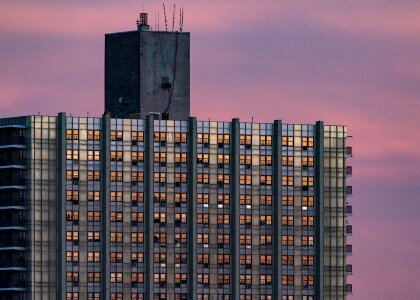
column 344, row 62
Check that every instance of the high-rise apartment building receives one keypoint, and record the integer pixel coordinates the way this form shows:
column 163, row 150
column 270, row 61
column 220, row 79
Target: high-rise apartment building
column 154, row 206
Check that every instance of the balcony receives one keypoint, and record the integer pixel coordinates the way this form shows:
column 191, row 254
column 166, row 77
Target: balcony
column 349, row 171
column 13, row 142
column 349, row 230
column 12, row 163
column 349, row 269
column 349, row 210
column 349, row 289
column 12, row 182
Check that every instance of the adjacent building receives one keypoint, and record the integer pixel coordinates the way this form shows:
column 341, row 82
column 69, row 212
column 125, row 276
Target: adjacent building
column 153, row 204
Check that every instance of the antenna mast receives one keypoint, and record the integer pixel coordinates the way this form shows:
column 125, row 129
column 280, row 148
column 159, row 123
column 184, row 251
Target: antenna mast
column 164, row 12
column 173, row 19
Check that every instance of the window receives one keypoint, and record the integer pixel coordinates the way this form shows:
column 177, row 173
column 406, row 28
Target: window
column 245, row 219
column 245, row 259
column 159, row 177
column 137, row 136
column 180, row 198
column 159, row 136
column 181, row 158
column 287, row 200
column 116, row 196
column 265, row 200
column 94, row 216
column 72, row 154
column 245, row 239
column 223, row 199
column 308, row 240
column 308, row 201
column 159, row 217
column 223, row 159
column 180, row 177
column 116, row 156
column 137, row 176
column 223, row 259
column 266, row 239
column 265, row 279
column 94, row 175
column 180, row 137
column 159, row 197
column 245, row 160
column 308, row 221
column 202, row 138
column 116, row 237
column 180, row 258
column 137, row 237
column 202, row 178
column 265, row 180
column 72, row 175
column 202, row 218
column 308, row 260
column 307, row 161
column 266, row 160
column 203, row 198
column 307, row 280
column 223, row 239
column 94, row 135
column 116, row 257
column 137, row 217
column 72, row 134
column 202, row 278
column 223, row 178
column 202, row 258
column 245, row 140
column 94, row 196
column 72, row 256
column 307, row 142
column 137, row 257
column 72, row 276
column 287, row 260
column 245, row 199
column 180, row 278
column 202, row 158
column 93, row 296
column 287, row 240
column 72, row 236
column 223, row 139
column 116, row 216
column 287, row 280
column 159, row 278
column 116, row 296
column 266, row 140
column 181, row 238
column 72, row 296
column 159, row 157
column 202, row 238
column 72, row 195
column 287, row 161
column 266, row 259
column 94, row 277
column 287, row 180
column 94, row 236
column 116, row 135
column 287, row 220
column 137, row 197
column 94, row 155
column 307, row 181
column 223, row 219
column 159, row 237
column 245, row 179
column 180, row 218
column 265, row 220
column 287, row 141
column 223, row 279
column 116, row 277
column 245, row 279
column 94, row 256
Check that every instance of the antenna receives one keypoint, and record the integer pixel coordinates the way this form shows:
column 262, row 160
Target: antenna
column 158, row 20
column 173, row 19
column 164, row 12
column 182, row 19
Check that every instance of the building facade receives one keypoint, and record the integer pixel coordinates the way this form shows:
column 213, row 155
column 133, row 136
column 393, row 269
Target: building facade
column 105, row 208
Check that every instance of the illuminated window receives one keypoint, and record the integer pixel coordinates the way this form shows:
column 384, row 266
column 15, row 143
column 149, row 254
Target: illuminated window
column 245, row 160
column 266, row 160
column 116, row 257
column 202, row 138
column 202, row 278
column 202, row 178
column 223, row 199
column 266, row 259
column 72, row 154
column 287, row 260
column 137, row 257
column 94, row 216
column 181, row 158
column 94, row 196
column 159, row 177
column 137, row 237
column 287, row 280
column 245, row 259
column 93, row 277
column 72, row 296
column 202, row 158
column 307, row 142
column 159, row 278
column 308, row 221
column 159, row 157
column 307, row 181
column 180, row 218
column 137, row 136
column 245, row 199
column 308, row 201
column 265, row 220
column 116, row 156
column 203, row 198
column 245, row 279
column 308, row 260
column 265, row 279
column 266, row 239
column 137, row 176
column 137, row 217
column 287, row 220
column 287, row 180
column 223, row 219
column 223, row 159
column 181, row 258
column 182, row 238
column 245, row 140
column 266, row 140
column 94, row 175
column 287, row 240
column 72, row 195
column 159, row 258
column 72, row 236
column 94, row 256
column 180, row 137
column 137, row 197
column 116, row 135
column 287, row 141
column 245, row 179
column 116, row 237
column 266, row 200
column 72, row 175
column 223, row 279
column 94, row 155
column 308, row 240
column 307, row 280
column 287, row 200
column 72, row 276
column 180, row 198
column 72, row 256
column 159, row 137
column 116, row 277
column 180, row 177
column 94, row 135
column 307, row 161
column 94, row 236
column 223, row 259
column 202, row 258
column 265, row 180
column 72, row 215
column 159, row 218
column 245, row 239
column 202, row 238
column 202, row 218
column 245, row 219
column 287, row 161
column 223, row 178
column 72, row 134
column 159, row 197
column 223, row 139
column 116, row 196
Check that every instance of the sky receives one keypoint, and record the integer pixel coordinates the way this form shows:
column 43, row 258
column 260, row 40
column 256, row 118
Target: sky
column 355, row 63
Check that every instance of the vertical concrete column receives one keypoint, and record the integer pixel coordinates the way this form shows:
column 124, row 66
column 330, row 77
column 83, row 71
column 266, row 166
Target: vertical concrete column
column 105, row 191
column 277, row 194
column 234, row 206
column 319, row 207
column 148, row 207
column 192, row 208
column 61, row 202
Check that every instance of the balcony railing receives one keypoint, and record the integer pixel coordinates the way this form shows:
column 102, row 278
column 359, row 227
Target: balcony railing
column 349, row 269
column 12, row 263
column 349, row 210
column 14, row 242
column 349, row 249
column 13, row 222
column 349, row 289
column 349, row 190
column 10, row 162
column 349, row 151
column 12, row 182
column 349, row 171
column 12, row 202
column 349, row 229
column 13, row 140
